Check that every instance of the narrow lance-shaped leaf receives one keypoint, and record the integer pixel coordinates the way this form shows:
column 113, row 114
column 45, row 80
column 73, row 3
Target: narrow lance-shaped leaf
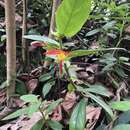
column 78, row 117
column 71, row 16
column 42, row 39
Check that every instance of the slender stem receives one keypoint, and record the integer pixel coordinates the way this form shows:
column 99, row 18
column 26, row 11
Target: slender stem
column 120, row 37
column 68, row 75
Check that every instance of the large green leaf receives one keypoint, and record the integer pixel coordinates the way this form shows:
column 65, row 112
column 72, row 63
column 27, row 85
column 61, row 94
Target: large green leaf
column 98, row 89
column 121, row 105
column 78, row 53
column 30, row 98
column 24, row 111
column 71, row 16
column 123, row 118
column 54, row 125
column 38, row 125
column 78, row 117
column 122, row 127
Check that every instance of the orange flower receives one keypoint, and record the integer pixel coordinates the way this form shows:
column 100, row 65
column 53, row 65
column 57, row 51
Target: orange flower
column 60, row 54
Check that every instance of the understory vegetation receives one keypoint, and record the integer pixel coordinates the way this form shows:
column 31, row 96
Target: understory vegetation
column 64, row 65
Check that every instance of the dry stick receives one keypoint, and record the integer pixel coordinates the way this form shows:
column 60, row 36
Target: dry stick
column 52, row 24
column 25, row 52
column 11, row 47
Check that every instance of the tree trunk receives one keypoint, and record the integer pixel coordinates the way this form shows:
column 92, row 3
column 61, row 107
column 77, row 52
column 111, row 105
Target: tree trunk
column 11, row 46
column 52, row 24
column 25, row 53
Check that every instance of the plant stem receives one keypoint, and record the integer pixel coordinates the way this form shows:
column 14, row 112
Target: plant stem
column 25, row 53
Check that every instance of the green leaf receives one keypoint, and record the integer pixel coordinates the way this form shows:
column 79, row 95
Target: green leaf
column 122, row 127
column 98, row 89
column 33, row 108
column 20, row 87
column 78, row 117
column 47, row 87
column 3, row 85
column 71, row 16
column 54, row 125
column 102, row 103
column 17, row 113
column 30, row 98
column 92, row 32
column 42, row 39
column 38, row 125
column 24, row 111
column 44, row 77
column 53, row 105
column 121, row 105
column 123, row 118
column 109, row 25
column 78, row 53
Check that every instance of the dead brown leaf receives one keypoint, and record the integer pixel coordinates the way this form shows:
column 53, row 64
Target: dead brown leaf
column 92, row 115
column 70, row 100
column 32, row 85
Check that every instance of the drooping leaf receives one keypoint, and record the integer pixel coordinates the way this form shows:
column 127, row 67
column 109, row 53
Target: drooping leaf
column 78, row 117
column 122, row 127
column 121, row 105
column 78, row 53
column 24, row 111
column 38, row 125
column 71, row 16
column 47, row 87
column 54, row 125
column 42, row 39
column 30, row 98
column 98, row 89
column 17, row 113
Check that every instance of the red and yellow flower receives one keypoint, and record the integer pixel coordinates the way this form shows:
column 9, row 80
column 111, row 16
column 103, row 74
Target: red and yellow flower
column 60, row 56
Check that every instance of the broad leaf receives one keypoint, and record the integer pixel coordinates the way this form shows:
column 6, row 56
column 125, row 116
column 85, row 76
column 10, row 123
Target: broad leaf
column 17, row 113
column 24, row 111
column 98, row 89
column 47, row 87
column 38, row 125
column 123, row 118
column 121, row 105
column 54, row 125
column 122, row 127
column 44, row 77
column 71, row 16
column 30, row 98
column 78, row 117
